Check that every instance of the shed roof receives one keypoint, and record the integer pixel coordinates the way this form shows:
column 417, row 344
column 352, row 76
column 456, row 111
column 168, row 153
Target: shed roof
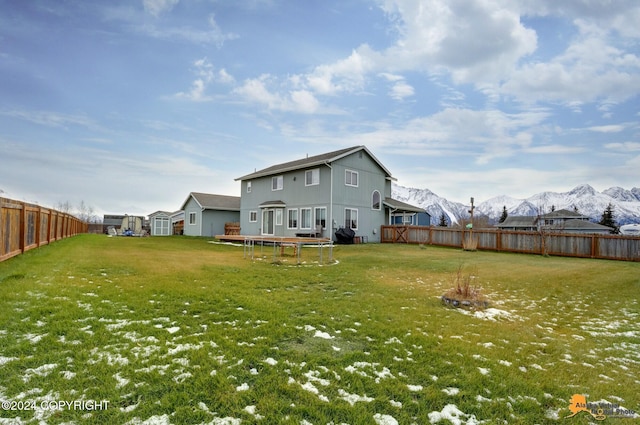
column 311, row 161
column 210, row 201
column 402, row 206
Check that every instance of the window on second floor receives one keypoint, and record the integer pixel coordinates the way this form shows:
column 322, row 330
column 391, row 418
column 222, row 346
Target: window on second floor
column 248, row 187
column 277, row 183
column 375, row 200
column 351, row 178
column 312, row 177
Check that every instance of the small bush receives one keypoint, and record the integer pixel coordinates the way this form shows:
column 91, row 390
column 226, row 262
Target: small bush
column 463, row 293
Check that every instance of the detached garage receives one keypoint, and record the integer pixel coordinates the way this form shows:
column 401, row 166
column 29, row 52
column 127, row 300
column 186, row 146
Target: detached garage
column 205, row 214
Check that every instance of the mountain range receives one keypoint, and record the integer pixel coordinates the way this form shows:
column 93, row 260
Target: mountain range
column 584, row 198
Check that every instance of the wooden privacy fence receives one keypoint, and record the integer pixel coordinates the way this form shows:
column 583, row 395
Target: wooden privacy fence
column 611, row 247
column 26, row 226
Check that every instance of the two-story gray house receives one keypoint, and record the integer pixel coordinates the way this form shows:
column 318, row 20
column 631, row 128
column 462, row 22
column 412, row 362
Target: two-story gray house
column 319, row 194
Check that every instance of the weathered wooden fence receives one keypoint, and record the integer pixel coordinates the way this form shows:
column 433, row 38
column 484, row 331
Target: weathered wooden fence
column 613, row 247
column 26, row 226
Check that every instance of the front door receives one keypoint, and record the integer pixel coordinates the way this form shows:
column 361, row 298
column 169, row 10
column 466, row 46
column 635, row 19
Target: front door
column 267, row 222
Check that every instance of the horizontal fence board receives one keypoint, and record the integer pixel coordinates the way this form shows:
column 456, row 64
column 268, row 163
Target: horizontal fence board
column 25, row 226
column 611, row 247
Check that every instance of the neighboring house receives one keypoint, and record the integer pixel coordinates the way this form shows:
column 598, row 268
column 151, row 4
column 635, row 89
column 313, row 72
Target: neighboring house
column 163, row 223
column 556, row 221
column 519, row 222
column 409, row 215
column 319, row 194
column 206, row 214
column 558, row 217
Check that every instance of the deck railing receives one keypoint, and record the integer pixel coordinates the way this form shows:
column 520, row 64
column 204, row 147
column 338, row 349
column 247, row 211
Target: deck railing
column 25, row 226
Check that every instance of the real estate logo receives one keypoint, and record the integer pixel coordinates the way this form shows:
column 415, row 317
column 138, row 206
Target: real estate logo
column 599, row 410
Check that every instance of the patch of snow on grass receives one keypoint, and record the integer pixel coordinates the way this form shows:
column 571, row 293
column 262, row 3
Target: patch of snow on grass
column 271, row 361
column 354, row 398
column 43, row 370
column 414, row 387
column 243, row 387
column 483, row 370
column 173, row 329
column 121, row 382
column 385, row 419
column 451, row 413
column 451, row 391
column 323, row 335
column 5, row 360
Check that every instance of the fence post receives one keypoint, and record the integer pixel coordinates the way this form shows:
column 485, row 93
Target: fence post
column 23, row 227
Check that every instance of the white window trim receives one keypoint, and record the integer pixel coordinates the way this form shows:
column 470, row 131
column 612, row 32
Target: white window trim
column 345, row 217
column 352, row 173
column 193, row 219
column 301, row 222
column 279, row 183
column 249, row 186
column 289, row 211
column 315, row 216
column 253, row 216
column 379, row 200
column 279, row 217
column 314, row 173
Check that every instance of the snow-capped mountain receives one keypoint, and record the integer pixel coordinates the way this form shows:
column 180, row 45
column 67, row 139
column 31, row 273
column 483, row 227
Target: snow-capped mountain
column 588, row 201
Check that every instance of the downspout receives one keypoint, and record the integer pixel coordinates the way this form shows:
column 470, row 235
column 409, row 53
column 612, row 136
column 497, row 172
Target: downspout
column 330, row 200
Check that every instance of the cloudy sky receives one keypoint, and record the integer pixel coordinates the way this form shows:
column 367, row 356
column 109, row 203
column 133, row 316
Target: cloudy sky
column 130, row 105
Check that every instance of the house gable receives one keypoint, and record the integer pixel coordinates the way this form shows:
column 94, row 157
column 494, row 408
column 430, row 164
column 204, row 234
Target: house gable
column 347, row 187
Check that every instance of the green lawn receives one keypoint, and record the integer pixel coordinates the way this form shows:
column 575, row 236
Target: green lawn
column 179, row 330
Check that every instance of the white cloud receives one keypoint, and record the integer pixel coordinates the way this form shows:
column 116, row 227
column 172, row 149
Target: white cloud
column 258, row 90
column 213, row 35
column 157, row 7
column 206, row 75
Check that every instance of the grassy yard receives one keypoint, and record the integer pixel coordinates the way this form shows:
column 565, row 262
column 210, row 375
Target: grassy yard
column 179, row 330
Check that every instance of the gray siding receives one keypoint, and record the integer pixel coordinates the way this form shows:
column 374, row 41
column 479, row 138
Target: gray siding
column 209, row 222
column 297, row 195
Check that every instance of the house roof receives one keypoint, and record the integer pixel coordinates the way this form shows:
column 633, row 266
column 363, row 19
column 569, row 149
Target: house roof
column 208, row 201
column 566, row 214
column 402, row 206
column 577, row 224
column 518, row 221
column 159, row 213
column 311, row 161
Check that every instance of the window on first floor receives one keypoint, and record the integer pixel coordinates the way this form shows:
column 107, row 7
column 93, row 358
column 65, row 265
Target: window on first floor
column 305, row 218
column 192, row 218
column 279, row 217
column 351, row 218
column 321, row 217
column 292, row 219
column 253, row 216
